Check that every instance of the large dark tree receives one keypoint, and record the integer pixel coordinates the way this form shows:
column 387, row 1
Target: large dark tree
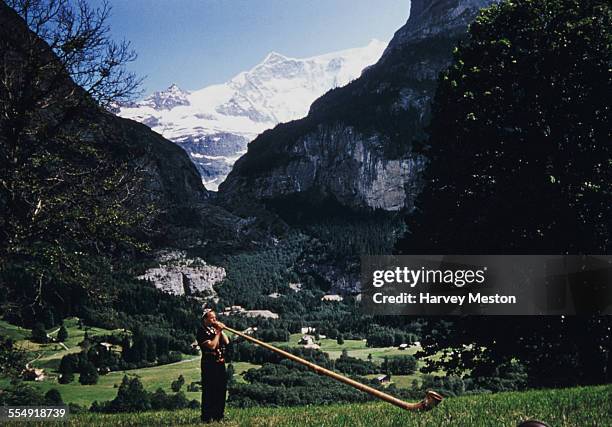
column 12, row 358
column 39, row 334
column 519, row 148
column 67, row 186
column 520, row 162
column 62, row 334
column 88, row 374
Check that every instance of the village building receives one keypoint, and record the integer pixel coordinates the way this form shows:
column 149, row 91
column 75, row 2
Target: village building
column 234, row 309
column 105, row 345
column 382, row 379
column 332, row 297
column 266, row 314
column 306, row 340
column 33, row 374
column 313, row 346
column 295, row 287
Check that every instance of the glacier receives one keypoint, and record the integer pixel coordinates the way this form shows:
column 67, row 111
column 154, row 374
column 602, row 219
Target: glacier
column 215, row 124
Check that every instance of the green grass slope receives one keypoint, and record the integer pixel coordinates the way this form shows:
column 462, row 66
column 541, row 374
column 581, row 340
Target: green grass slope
column 152, row 378
column 576, row 407
column 48, row 356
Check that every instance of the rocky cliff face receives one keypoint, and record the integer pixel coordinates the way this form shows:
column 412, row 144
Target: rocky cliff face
column 355, row 146
column 179, row 275
column 429, row 18
column 338, row 161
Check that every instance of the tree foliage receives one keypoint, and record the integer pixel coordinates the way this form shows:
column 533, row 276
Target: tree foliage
column 521, row 163
column 39, row 334
column 285, row 384
column 12, row 358
column 132, row 397
column 177, row 384
column 62, row 334
column 519, row 147
column 401, row 365
column 79, row 36
column 67, row 186
column 88, row 373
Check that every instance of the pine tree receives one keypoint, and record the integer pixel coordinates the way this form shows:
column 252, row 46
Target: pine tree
column 12, row 358
column 177, row 384
column 131, row 397
column 140, row 348
column 53, row 398
column 89, row 374
column 230, row 373
column 68, row 366
column 66, row 378
column 62, row 334
column 86, row 342
column 39, row 334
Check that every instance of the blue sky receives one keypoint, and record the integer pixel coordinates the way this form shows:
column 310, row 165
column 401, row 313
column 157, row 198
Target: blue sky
column 195, row 43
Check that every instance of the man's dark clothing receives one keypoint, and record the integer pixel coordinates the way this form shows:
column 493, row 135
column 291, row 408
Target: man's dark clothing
column 214, row 386
column 214, row 379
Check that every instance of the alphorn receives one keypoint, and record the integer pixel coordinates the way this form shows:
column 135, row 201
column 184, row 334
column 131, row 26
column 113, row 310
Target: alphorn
column 430, row 400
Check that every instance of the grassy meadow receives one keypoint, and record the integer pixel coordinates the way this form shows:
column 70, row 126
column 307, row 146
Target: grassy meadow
column 355, row 348
column 585, row 406
column 48, row 356
column 575, row 407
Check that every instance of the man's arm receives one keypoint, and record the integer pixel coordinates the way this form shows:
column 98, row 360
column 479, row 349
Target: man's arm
column 219, row 336
column 224, row 338
column 213, row 343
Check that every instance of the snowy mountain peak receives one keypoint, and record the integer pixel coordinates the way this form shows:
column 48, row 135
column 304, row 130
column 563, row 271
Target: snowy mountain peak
column 167, row 99
column 215, row 124
column 273, row 58
column 174, row 88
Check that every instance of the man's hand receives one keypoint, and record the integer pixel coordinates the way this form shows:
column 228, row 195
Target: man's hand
column 219, row 326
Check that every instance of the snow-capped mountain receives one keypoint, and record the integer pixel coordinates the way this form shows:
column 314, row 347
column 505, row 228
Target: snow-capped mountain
column 215, row 124
column 172, row 97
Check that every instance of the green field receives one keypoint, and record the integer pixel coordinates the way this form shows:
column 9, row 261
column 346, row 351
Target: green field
column 359, row 350
column 48, row 356
column 355, row 348
column 576, row 407
column 590, row 406
column 16, row 333
column 152, row 378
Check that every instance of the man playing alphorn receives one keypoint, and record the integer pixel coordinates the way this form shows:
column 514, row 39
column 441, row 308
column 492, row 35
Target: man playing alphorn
column 212, row 341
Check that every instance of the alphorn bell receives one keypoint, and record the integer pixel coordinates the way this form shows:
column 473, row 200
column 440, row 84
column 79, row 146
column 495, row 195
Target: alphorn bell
column 430, row 400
